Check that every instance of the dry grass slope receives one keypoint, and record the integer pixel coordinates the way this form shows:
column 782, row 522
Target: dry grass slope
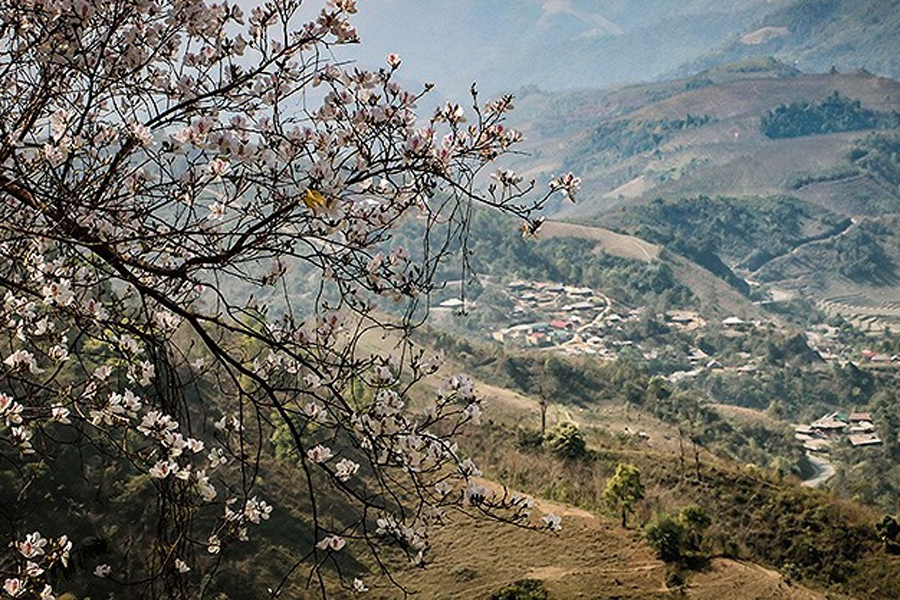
column 592, row 557
column 610, row 242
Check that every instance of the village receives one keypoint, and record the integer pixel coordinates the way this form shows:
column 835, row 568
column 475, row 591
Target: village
column 570, row 319
column 576, row 320
column 856, row 429
column 581, row 320
column 825, row 340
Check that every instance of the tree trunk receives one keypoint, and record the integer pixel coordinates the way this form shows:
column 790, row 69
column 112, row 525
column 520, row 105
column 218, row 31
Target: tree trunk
column 697, row 459
column 624, row 516
column 543, row 417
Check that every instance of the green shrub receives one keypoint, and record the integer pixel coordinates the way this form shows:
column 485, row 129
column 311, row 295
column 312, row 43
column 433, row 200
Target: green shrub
column 695, row 521
column 666, row 536
column 525, row 589
column 566, row 441
column 624, row 489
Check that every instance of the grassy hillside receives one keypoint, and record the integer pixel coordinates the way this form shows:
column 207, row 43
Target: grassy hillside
column 703, row 135
column 863, row 281
column 746, row 233
column 756, row 518
column 763, row 523
column 593, row 558
column 630, row 271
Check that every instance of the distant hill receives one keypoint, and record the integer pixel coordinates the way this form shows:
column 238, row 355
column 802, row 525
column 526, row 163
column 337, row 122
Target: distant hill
column 703, row 135
column 556, row 45
column 553, row 44
column 815, row 35
column 854, row 274
column 748, row 170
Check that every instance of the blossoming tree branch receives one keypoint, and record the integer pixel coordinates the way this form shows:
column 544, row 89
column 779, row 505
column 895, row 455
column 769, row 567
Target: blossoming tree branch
column 164, row 165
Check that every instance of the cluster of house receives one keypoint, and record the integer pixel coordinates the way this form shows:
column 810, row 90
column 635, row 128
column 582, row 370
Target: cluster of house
column 737, row 325
column 552, row 296
column 685, row 320
column 701, row 361
column 825, row 340
column 856, row 428
column 540, row 334
column 572, row 319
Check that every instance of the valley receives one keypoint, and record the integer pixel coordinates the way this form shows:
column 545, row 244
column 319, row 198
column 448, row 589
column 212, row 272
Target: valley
column 773, row 299
column 712, row 301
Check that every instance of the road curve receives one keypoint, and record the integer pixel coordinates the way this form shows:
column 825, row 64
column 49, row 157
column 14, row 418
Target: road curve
column 822, row 471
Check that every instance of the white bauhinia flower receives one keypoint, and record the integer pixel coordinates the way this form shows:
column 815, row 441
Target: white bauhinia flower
column 163, row 469
column 60, row 414
column 217, row 211
column 102, row 571
column 33, row 545
column 14, row 587
column 319, row 454
column 333, row 542
column 345, row 469
column 552, row 522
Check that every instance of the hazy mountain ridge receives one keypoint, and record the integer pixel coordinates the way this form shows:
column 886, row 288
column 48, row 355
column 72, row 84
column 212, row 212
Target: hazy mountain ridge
column 554, row 44
column 815, row 35
column 566, row 44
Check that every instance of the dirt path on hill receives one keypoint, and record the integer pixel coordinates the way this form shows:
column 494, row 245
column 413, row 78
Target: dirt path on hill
column 827, row 236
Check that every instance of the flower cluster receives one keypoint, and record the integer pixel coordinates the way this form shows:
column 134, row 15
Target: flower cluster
column 569, row 185
column 36, row 556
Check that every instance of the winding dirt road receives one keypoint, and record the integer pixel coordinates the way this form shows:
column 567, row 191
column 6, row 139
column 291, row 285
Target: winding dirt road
column 822, row 471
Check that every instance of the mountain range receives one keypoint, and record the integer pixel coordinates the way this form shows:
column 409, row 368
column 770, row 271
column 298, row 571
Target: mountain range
column 505, row 45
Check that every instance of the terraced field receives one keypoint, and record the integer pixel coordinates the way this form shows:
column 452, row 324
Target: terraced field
column 870, row 310
column 725, row 155
column 812, row 271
